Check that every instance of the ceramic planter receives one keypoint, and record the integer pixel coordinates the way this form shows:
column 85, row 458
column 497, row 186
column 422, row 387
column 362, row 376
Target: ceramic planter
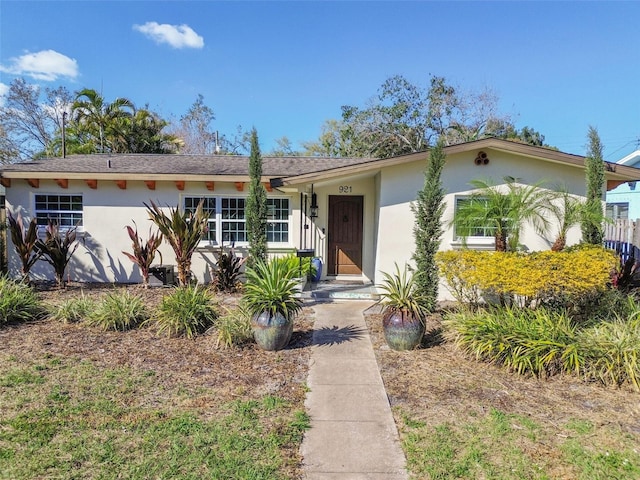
column 402, row 331
column 271, row 332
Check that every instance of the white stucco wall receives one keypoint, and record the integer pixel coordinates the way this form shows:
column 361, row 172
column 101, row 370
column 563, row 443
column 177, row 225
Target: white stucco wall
column 362, row 186
column 399, row 186
column 106, row 212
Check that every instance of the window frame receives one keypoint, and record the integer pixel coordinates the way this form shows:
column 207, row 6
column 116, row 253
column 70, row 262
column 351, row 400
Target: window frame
column 59, row 213
column 615, row 210
column 218, row 219
column 476, row 242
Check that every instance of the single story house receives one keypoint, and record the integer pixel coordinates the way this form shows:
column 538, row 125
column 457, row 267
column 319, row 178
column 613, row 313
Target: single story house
column 623, row 202
column 353, row 213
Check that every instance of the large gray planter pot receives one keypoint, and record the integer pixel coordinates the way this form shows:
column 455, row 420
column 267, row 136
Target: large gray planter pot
column 272, row 332
column 402, row 331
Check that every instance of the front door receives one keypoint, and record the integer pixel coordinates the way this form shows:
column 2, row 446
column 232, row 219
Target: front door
column 345, row 235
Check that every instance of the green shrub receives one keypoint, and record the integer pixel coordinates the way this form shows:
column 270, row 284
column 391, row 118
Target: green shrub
column 612, row 351
column 296, row 266
column 538, row 342
column 74, row 310
column 18, row 302
column 119, row 311
column 528, row 279
column 234, row 327
column 187, row 311
column 542, row 342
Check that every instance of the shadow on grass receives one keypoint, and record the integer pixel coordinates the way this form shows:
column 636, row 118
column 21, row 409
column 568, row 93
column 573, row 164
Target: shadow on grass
column 432, row 338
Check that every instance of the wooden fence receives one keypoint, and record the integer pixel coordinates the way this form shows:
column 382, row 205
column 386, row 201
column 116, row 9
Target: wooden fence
column 627, row 231
column 623, row 236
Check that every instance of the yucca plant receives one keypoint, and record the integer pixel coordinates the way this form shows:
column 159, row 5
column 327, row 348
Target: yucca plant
column 183, row 231
column 270, row 296
column 272, row 287
column 187, row 311
column 74, row 309
column 24, row 240
column 18, row 302
column 119, row 311
column 57, row 249
column 143, row 252
column 405, row 309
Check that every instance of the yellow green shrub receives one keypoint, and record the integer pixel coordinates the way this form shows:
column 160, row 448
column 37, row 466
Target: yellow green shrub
column 526, row 277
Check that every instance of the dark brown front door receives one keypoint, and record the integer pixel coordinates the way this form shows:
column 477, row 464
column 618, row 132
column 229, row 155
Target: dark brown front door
column 345, row 235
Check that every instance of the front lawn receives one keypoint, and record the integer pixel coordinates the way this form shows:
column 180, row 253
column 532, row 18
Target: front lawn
column 78, row 402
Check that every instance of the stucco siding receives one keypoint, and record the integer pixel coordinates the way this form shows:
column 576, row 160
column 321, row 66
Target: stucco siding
column 106, row 212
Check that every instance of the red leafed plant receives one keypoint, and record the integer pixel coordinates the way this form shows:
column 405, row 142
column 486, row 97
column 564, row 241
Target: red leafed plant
column 24, row 239
column 144, row 252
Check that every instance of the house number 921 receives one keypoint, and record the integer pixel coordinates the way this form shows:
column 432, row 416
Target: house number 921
column 345, row 189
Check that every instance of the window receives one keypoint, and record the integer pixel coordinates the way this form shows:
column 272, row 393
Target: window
column 209, row 205
column 227, row 220
column 618, row 211
column 234, row 227
column 278, row 220
column 65, row 210
column 480, row 230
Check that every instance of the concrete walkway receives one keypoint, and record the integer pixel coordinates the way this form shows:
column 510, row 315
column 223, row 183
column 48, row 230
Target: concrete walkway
column 352, row 435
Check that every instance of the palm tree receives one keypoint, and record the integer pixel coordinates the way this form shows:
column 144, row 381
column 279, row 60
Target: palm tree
column 570, row 211
column 504, row 211
column 100, row 118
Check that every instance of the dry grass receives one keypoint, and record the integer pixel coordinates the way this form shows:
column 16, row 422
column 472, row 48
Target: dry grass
column 437, row 386
column 202, row 376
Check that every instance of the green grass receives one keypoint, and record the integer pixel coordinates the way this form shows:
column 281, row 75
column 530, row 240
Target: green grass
column 63, row 418
column 500, row 446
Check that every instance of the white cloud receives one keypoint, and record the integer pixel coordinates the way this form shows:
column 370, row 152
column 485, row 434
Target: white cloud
column 4, row 89
column 178, row 36
column 45, row 65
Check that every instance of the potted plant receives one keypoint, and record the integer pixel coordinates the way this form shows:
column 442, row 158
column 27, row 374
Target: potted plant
column 270, row 296
column 404, row 314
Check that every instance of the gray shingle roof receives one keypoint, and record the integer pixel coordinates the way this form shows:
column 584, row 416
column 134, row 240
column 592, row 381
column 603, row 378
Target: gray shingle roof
column 181, row 164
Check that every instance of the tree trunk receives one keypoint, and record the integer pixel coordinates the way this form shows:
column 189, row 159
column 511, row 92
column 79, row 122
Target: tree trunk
column 559, row 244
column 501, row 242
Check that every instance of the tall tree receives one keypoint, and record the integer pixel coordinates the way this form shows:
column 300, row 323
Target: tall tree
column 256, row 208
column 100, row 119
column 592, row 231
column 405, row 118
column 427, row 231
column 29, row 122
column 196, row 131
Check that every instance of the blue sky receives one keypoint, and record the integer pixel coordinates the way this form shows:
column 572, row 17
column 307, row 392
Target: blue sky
column 286, row 67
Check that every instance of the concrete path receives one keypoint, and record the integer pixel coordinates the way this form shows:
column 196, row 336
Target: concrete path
column 352, row 435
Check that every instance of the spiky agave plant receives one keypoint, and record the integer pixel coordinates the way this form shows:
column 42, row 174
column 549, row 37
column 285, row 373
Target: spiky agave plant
column 143, row 252
column 399, row 293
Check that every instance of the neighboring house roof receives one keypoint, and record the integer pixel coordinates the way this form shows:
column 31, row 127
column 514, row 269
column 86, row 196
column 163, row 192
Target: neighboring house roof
column 279, row 170
column 631, row 160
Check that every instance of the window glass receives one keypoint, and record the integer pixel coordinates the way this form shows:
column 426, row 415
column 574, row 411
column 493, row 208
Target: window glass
column 481, row 230
column 618, row 211
column 65, row 210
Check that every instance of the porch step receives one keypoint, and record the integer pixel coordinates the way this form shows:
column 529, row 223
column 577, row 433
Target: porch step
column 340, row 291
